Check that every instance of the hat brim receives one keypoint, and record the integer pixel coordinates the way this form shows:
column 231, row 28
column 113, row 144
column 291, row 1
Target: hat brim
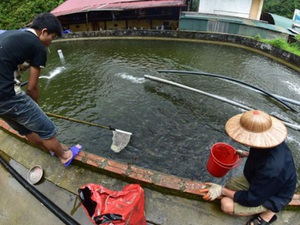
column 267, row 139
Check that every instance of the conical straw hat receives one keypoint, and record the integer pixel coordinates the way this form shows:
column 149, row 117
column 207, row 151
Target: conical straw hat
column 256, row 129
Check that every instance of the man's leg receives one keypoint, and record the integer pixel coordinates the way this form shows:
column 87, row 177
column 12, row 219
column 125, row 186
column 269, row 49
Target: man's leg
column 233, row 208
column 35, row 139
column 53, row 145
column 29, row 120
column 230, row 207
column 237, row 183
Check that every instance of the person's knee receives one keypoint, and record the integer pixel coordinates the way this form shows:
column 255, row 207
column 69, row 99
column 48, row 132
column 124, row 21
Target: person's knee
column 34, row 138
column 227, row 205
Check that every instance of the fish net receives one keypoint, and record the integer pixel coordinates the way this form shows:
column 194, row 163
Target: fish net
column 120, row 140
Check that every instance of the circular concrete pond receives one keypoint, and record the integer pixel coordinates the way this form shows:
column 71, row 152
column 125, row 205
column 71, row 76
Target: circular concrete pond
column 102, row 81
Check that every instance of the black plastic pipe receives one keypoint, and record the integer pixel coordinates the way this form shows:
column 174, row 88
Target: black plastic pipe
column 293, row 126
column 278, row 98
column 64, row 217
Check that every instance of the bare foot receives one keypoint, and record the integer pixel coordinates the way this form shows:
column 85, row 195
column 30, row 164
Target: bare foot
column 67, row 155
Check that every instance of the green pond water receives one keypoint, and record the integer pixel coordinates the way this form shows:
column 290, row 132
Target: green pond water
column 102, row 81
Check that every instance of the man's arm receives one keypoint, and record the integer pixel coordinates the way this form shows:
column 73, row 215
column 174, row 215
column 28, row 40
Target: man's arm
column 32, row 86
column 227, row 192
column 212, row 191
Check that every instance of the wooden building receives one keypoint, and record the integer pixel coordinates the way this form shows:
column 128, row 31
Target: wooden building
column 89, row 15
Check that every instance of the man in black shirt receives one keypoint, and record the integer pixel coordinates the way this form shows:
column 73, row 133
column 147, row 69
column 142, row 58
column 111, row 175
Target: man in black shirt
column 20, row 50
column 269, row 180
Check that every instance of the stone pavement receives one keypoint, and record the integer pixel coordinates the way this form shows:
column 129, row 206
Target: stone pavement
column 169, row 200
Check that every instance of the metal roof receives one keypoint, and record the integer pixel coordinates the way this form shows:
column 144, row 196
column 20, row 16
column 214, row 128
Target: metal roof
column 284, row 23
column 79, row 6
column 281, row 23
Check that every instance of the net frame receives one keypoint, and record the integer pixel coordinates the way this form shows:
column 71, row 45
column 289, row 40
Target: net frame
column 120, row 140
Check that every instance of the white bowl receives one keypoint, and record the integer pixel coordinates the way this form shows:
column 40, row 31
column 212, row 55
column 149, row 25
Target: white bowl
column 35, row 174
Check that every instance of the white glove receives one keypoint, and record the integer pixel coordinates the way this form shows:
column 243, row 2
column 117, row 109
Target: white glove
column 214, row 191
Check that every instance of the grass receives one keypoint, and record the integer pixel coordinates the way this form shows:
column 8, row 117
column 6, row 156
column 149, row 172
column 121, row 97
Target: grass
column 282, row 44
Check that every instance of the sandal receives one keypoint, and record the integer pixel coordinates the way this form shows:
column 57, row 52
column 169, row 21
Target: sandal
column 259, row 221
column 75, row 150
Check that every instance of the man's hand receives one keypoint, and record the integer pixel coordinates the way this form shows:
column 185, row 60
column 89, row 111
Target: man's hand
column 212, row 191
column 242, row 153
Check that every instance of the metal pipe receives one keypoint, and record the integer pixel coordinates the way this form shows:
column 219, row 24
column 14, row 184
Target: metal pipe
column 64, row 217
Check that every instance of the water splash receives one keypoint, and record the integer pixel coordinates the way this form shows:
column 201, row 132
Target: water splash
column 293, row 87
column 54, row 72
column 136, row 80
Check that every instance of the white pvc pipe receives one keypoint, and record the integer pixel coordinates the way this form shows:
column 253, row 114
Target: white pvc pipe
column 293, row 126
column 234, row 81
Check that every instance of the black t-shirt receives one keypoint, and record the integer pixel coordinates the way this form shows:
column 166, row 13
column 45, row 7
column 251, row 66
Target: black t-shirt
column 272, row 176
column 18, row 51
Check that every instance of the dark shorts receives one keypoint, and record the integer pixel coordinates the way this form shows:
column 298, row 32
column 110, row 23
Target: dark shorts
column 25, row 116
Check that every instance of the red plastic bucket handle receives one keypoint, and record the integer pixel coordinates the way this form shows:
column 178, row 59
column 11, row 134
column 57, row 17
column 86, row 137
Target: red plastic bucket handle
column 218, row 161
column 235, row 165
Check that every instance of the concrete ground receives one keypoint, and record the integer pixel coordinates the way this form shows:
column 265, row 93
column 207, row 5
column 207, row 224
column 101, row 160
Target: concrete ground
column 18, row 206
column 60, row 185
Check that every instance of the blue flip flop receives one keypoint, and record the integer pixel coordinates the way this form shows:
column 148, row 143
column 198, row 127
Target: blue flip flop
column 75, row 150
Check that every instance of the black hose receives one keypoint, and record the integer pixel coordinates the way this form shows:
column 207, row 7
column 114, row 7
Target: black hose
column 231, row 79
column 64, row 217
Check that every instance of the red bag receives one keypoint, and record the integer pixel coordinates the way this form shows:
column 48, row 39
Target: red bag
column 109, row 207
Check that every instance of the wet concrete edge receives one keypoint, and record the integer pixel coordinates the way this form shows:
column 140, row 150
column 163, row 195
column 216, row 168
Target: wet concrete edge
column 161, row 182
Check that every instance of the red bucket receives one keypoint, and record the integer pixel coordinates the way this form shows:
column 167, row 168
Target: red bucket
column 222, row 158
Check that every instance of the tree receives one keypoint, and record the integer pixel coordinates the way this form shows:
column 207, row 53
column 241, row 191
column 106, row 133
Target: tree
column 284, row 8
column 15, row 14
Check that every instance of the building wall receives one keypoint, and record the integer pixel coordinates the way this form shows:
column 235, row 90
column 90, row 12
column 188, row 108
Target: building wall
column 125, row 24
column 151, row 18
column 239, row 8
column 256, row 9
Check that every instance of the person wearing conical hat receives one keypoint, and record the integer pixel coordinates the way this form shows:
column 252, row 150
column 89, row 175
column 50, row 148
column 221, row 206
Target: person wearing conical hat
column 269, row 178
